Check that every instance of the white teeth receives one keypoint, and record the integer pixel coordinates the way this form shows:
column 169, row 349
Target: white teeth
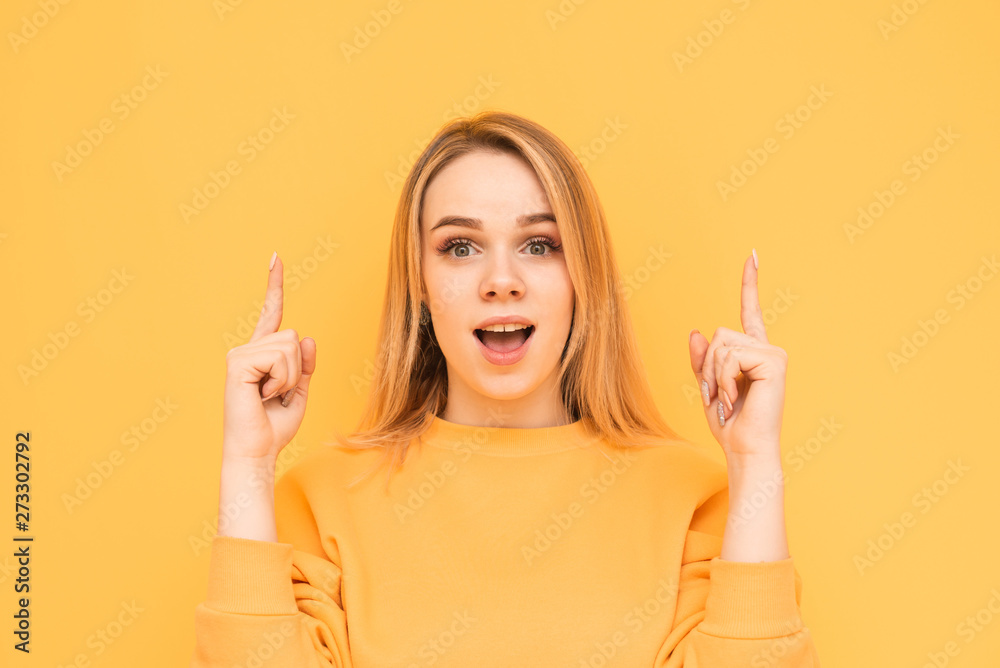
column 509, row 327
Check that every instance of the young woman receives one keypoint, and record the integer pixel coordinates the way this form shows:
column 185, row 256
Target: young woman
column 536, row 509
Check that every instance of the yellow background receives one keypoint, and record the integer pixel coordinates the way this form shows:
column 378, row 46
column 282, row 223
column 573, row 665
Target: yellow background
column 840, row 305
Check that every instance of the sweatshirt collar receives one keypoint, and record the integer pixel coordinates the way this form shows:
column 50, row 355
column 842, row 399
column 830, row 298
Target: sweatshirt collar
column 507, row 441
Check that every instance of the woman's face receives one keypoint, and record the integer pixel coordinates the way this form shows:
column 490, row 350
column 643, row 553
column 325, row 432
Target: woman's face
column 479, row 261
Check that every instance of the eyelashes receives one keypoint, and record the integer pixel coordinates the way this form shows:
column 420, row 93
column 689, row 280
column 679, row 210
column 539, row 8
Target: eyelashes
column 452, row 242
column 548, row 241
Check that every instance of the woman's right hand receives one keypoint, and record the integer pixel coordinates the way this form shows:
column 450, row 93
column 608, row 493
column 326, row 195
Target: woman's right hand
column 259, row 374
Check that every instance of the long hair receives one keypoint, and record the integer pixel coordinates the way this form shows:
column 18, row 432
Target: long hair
column 602, row 379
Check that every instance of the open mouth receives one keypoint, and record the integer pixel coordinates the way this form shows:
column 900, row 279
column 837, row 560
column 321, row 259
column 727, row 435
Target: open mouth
column 505, row 342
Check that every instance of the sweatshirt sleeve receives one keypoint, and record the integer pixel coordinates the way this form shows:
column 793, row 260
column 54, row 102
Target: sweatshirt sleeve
column 732, row 613
column 270, row 603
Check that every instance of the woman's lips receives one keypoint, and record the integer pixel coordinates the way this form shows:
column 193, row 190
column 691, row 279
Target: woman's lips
column 504, row 358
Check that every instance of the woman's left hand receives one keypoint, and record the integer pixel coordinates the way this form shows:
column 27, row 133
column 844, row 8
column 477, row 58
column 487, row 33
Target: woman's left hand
column 744, row 381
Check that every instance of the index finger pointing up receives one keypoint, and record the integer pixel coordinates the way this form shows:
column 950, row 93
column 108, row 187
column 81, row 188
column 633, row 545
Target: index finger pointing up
column 750, row 314
column 270, row 314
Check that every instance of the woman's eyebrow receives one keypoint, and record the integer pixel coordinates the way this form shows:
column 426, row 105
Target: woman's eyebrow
column 477, row 224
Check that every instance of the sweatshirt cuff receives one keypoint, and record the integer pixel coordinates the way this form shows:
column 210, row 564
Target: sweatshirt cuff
column 751, row 599
column 248, row 576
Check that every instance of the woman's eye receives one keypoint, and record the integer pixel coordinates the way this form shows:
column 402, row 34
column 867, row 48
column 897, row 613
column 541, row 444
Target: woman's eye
column 445, row 248
column 543, row 242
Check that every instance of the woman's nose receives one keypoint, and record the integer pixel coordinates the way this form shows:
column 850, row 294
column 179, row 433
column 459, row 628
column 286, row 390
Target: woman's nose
column 502, row 277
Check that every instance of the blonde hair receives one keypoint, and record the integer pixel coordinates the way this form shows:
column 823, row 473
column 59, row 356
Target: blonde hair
column 602, row 379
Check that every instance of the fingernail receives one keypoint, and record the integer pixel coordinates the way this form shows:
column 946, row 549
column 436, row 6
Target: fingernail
column 287, row 397
column 755, row 266
column 729, row 404
column 722, row 415
column 704, row 392
column 691, row 333
column 273, row 257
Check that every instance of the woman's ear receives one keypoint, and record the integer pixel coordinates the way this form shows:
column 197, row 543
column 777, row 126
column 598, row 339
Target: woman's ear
column 423, row 292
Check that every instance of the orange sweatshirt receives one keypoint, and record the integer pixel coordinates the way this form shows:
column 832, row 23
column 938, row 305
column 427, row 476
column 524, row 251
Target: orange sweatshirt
column 500, row 546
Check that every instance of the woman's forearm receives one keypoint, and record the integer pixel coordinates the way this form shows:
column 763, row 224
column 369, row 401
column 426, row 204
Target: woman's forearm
column 246, row 499
column 755, row 528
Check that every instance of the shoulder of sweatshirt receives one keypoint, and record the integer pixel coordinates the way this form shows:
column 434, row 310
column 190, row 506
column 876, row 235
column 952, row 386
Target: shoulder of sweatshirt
column 306, row 497
column 682, row 464
column 327, row 464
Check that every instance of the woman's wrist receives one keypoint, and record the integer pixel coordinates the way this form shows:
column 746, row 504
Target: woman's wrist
column 246, row 499
column 755, row 527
